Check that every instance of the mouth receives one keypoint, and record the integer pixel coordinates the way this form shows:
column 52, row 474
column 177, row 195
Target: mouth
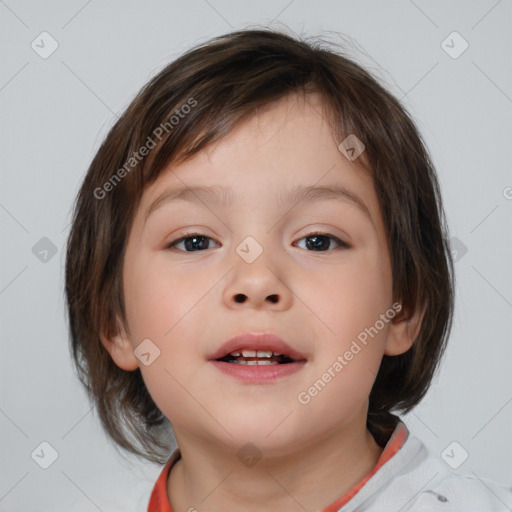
column 255, row 349
column 256, row 358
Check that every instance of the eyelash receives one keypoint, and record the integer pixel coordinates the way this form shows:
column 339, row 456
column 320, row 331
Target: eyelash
column 342, row 244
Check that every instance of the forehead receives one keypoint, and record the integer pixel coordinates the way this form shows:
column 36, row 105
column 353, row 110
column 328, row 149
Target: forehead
column 268, row 158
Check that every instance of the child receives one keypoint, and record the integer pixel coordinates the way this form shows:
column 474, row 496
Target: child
column 265, row 202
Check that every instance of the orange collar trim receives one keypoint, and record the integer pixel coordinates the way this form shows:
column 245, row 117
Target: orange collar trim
column 159, row 501
column 396, row 441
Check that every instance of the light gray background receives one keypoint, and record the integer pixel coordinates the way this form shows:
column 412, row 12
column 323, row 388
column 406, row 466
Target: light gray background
column 54, row 113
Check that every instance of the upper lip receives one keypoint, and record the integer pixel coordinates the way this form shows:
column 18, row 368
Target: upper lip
column 257, row 341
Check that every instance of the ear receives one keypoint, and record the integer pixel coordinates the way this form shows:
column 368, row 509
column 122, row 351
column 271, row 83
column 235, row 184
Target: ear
column 403, row 331
column 120, row 348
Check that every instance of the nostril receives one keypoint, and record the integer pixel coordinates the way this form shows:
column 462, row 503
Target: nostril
column 240, row 297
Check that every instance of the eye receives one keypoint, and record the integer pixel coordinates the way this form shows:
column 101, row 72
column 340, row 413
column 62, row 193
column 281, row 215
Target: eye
column 322, row 241
column 193, row 242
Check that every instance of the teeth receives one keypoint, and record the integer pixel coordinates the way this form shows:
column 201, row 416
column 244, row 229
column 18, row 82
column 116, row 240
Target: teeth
column 255, row 353
column 255, row 362
column 264, row 353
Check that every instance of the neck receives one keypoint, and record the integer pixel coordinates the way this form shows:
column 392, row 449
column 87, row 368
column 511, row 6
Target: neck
column 313, row 476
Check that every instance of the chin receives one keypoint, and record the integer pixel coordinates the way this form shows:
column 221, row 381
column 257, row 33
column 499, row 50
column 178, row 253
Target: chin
column 260, row 440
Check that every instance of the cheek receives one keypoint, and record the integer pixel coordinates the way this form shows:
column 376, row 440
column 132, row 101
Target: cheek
column 349, row 297
column 173, row 308
column 350, row 333
column 166, row 308
column 147, row 305
column 157, row 297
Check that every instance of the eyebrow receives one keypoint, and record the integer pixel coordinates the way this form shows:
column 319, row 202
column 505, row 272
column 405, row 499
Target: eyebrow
column 224, row 196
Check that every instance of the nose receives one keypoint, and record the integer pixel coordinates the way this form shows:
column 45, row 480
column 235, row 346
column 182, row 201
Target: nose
column 257, row 286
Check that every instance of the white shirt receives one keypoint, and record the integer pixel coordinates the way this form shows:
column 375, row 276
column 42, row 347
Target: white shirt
column 416, row 480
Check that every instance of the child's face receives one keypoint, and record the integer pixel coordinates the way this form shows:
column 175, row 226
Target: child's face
column 325, row 295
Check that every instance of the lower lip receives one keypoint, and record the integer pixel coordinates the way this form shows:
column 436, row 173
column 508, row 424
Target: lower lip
column 258, row 373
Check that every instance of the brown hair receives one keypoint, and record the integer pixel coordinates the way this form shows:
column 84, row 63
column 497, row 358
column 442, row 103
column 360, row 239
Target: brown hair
column 223, row 82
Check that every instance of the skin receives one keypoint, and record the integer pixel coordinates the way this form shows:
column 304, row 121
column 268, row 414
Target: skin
column 184, row 302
